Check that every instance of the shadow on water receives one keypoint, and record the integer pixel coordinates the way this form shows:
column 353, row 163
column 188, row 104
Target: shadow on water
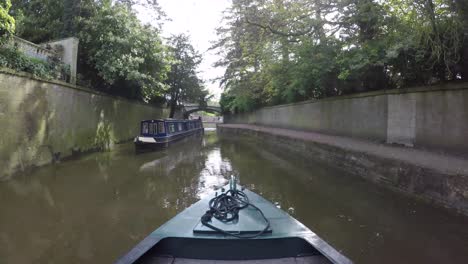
column 94, row 209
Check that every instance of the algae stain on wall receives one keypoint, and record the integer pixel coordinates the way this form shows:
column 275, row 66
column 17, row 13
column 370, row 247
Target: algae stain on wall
column 104, row 134
column 43, row 122
column 25, row 130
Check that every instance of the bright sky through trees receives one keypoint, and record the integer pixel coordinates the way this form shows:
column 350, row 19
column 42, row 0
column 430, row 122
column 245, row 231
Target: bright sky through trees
column 198, row 18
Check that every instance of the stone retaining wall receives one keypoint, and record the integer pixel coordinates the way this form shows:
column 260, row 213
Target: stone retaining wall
column 45, row 121
column 425, row 117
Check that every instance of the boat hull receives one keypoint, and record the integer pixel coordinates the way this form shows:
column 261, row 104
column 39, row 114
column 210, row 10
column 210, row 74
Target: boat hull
column 145, row 144
column 289, row 240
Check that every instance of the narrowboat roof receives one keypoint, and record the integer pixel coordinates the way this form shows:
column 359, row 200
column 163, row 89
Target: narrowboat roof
column 169, row 119
column 184, row 239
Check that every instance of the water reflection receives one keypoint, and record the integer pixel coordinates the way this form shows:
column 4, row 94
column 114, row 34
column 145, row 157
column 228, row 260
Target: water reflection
column 94, row 209
column 169, row 159
column 215, row 173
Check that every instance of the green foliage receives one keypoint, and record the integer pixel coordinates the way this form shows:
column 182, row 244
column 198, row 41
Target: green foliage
column 184, row 84
column 123, row 56
column 281, row 51
column 117, row 54
column 38, row 20
column 14, row 59
column 7, row 22
column 425, row 43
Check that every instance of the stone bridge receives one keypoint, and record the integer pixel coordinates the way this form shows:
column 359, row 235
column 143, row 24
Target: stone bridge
column 189, row 108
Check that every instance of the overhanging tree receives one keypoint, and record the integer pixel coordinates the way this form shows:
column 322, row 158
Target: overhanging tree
column 281, row 51
column 122, row 56
column 184, row 84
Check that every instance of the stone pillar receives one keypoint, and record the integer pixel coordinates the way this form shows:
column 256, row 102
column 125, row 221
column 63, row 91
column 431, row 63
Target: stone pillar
column 401, row 120
column 69, row 48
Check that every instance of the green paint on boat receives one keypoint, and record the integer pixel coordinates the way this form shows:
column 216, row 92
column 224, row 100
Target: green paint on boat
column 184, row 239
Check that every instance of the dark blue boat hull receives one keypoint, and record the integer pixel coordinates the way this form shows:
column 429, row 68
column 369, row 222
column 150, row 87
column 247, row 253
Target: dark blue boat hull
column 162, row 142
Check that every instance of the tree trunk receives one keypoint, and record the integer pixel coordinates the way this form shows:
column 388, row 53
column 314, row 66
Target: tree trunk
column 462, row 7
column 464, row 58
column 173, row 105
column 173, row 108
column 172, row 112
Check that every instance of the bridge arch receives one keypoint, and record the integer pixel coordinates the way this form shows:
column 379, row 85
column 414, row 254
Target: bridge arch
column 209, row 109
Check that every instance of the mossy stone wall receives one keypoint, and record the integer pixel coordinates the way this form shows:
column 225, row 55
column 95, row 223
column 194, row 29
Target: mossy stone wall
column 46, row 121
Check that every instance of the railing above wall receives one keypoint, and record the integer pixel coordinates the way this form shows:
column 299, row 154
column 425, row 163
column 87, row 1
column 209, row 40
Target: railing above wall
column 34, row 50
column 64, row 51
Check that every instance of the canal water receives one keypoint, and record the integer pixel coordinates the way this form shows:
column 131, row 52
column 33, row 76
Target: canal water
column 95, row 208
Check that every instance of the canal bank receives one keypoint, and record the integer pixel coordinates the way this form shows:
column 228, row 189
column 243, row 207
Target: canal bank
column 436, row 178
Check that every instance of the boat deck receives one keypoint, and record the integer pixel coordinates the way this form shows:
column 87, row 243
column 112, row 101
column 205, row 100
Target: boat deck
column 183, row 240
column 297, row 260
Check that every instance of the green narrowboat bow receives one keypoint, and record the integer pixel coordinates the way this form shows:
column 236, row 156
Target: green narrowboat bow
column 217, row 231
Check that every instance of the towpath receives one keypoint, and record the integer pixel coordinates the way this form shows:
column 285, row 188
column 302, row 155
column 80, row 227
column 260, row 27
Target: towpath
column 444, row 163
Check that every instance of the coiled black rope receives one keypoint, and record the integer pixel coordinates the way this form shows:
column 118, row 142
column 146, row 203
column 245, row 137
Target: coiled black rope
column 225, row 207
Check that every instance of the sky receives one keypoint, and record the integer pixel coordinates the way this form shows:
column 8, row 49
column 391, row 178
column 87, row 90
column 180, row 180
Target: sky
column 198, row 19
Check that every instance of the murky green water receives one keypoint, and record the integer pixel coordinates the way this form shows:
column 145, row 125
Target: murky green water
column 94, row 209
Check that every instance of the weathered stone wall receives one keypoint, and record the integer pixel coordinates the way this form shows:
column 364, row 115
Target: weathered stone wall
column 43, row 121
column 425, row 117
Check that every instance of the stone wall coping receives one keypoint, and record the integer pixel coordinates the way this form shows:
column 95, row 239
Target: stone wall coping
column 69, row 85
column 416, row 89
column 58, row 40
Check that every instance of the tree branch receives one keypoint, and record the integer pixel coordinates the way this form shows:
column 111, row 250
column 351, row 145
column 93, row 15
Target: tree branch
column 277, row 32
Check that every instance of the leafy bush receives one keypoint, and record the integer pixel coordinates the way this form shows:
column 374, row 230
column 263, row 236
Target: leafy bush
column 13, row 58
column 7, row 22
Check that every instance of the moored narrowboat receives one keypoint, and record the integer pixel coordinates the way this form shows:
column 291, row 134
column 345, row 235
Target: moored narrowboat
column 157, row 133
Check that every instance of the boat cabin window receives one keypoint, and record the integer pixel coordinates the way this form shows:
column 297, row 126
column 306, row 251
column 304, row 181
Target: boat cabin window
column 171, row 128
column 161, row 129
column 180, row 127
column 144, row 128
column 152, row 128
